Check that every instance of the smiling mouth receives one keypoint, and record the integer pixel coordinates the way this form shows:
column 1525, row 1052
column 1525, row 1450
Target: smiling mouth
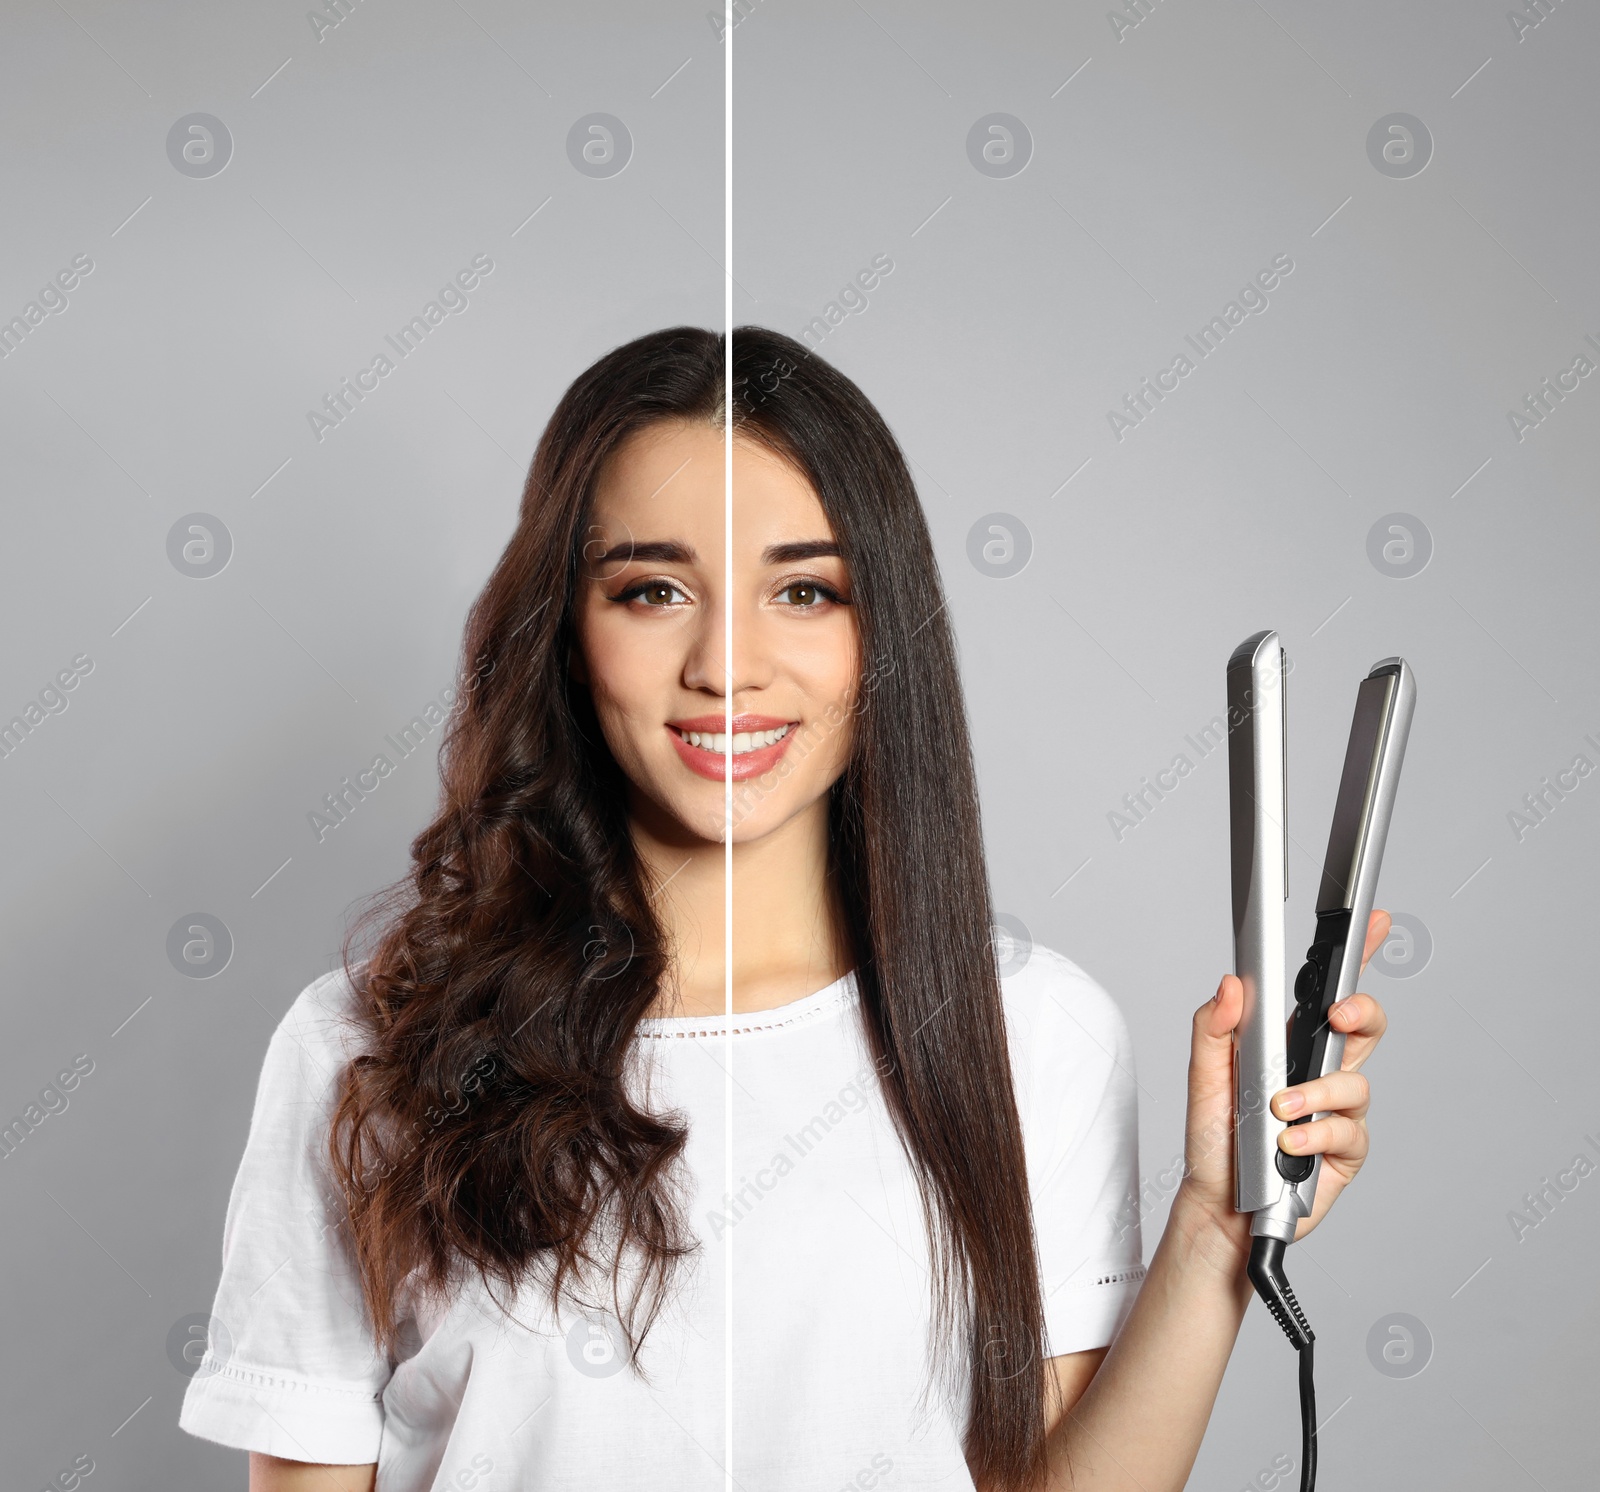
column 755, row 752
column 744, row 742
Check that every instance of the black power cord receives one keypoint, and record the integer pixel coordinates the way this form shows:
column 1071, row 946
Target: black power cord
column 1272, row 1285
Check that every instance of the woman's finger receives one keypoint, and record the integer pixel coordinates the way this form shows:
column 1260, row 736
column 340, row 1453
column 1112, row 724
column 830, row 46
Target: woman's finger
column 1342, row 1092
column 1208, row 1128
column 1211, row 1044
column 1378, row 925
column 1363, row 1022
column 1335, row 1136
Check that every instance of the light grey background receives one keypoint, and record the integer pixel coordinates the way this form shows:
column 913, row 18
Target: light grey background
column 368, row 168
column 1169, row 166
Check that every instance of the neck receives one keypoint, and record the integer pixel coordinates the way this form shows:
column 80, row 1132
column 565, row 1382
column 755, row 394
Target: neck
column 787, row 933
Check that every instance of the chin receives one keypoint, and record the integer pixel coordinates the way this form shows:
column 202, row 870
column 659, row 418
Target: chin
column 755, row 827
column 700, row 808
column 755, row 817
column 703, row 815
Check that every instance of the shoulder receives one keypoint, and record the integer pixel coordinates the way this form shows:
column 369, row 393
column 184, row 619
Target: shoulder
column 1077, row 1099
column 1051, row 1002
column 326, row 1013
column 284, row 1164
column 1069, row 1044
column 316, row 1037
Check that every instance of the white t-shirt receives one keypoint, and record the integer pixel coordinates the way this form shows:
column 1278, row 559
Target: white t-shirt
column 824, row 1237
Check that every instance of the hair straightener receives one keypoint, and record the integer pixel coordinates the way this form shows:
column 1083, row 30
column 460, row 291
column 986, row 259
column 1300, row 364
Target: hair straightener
column 1274, row 1048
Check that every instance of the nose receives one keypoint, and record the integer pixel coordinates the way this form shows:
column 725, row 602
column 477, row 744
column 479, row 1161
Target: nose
column 705, row 667
column 754, row 665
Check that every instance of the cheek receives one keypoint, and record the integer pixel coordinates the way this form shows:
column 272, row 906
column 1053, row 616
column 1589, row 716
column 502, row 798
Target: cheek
column 835, row 664
column 628, row 668
column 827, row 669
column 632, row 673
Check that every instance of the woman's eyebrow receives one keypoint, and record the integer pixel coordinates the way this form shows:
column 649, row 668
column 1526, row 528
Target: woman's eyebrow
column 803, row 549
column 654, row 551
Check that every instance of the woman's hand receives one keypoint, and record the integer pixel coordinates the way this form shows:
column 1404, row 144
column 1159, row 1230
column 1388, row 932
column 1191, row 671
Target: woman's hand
column 1206, row 1194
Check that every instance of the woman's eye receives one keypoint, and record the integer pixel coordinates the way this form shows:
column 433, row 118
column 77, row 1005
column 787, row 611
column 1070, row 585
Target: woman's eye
column 653, row 593
column 806, row 594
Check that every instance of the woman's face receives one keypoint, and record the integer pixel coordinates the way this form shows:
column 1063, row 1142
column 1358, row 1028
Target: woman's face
column 653, row 644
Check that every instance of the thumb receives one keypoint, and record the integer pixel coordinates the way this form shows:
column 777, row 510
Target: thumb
column 1211, row 1053
column 1214, row 1021
column 1209, row 1123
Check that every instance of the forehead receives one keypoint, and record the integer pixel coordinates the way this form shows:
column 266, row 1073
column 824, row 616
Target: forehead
column 664, row 481
column 667, row 482
column 773, row 502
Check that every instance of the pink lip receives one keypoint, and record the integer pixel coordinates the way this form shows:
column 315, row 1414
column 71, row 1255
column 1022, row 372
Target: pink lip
column 715, row 723
column 712, row 764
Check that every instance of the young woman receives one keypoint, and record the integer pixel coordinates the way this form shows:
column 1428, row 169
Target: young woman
column 523, row 1206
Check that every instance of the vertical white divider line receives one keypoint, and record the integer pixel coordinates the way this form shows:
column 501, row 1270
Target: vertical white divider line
column 727, row 761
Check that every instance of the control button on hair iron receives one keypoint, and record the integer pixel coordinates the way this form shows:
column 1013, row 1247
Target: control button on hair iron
column 1272, row 1048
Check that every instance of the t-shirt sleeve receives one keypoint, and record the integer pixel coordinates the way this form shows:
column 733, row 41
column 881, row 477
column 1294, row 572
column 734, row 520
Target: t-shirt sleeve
column 1078, row 1098
column 291, row 1366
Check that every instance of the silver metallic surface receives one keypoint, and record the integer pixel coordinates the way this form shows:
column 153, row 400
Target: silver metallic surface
column 1373, row 758
column 1256, row 795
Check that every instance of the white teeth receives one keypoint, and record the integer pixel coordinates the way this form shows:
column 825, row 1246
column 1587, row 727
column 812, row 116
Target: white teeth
column 743, row 741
